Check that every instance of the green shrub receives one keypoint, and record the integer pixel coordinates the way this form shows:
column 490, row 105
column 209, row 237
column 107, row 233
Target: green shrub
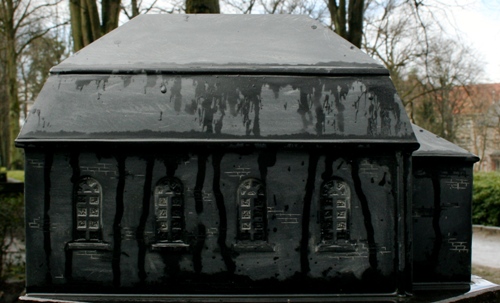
column 11, row 235
column 486, row 199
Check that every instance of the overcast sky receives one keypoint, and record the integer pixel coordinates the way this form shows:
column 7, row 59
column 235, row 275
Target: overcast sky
column 480, row 25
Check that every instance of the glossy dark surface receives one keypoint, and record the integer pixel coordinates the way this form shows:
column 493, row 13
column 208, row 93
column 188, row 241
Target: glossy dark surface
column 227, row 108
column 431, row 145
column 442, row 210
column 236, row 157
column 221, row 43
column 299, row 250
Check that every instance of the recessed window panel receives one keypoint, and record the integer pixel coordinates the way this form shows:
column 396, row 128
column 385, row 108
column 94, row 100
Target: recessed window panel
column 169, row 210
column 88, row 210
column 335, row 203
column 252, row 211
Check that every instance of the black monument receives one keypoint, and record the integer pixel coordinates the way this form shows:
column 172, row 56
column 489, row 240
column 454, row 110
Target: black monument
column 442, row 214
column 220, row 157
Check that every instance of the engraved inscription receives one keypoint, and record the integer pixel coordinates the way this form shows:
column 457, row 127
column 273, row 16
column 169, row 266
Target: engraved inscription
column 457, row 183
column 252, row 210
column 169, row 209
column 238, row 172
column 88, row 210
column 334, row 211
column 246, row 226
column 245, row 202
column 246, row 214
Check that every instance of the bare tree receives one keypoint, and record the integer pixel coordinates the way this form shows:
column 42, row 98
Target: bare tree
column 241, row 6
column 425, row 67
column 20, row 25
column 479, row 121
column 344, row 17
column 34, row 66
column 86, row 25
column 315, row 9
column 347, row 19
column 202, row 7
column 4, row 115
column 137, row 7
column 394, row 39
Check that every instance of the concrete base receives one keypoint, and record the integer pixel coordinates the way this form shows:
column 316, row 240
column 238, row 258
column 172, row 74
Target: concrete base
column 481, row 291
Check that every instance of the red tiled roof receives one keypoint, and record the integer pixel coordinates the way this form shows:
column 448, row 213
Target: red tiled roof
column 476, row 98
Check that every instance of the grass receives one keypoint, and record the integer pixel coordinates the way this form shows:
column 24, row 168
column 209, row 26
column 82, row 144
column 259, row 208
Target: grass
column 16, row 174
column 487, row 273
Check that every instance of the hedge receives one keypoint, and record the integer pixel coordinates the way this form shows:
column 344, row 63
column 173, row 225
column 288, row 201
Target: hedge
column 11, row 228
column 486, row 199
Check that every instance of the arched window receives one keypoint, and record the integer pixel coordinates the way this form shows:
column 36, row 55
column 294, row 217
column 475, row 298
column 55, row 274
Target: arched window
column 335, row 208
column 88, row 199
column 252, row 211
column 169, row 210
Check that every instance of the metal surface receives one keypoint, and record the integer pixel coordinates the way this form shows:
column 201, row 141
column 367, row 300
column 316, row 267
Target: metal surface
column 481, row 291
column 221, row 43
column 442, row 218
column 228, row 158
column 431, row 145
column 297, row 246
column 222, row 108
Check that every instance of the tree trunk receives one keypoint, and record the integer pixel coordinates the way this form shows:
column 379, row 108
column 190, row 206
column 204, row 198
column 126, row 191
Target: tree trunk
column 348, row 19
column 338, row 16
column 94, row 22
column 86, row 27
column 110, row 15
column 15, row 160
column 135, row 9
column 4, row 122
column 4, row 102
column 76, row 24
column 202, row 7
column 356, row 12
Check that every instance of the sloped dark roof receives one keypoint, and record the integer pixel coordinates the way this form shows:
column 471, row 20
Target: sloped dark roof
column 431, row 145
column 224, row 78
column 225, row 43
column 217, row 107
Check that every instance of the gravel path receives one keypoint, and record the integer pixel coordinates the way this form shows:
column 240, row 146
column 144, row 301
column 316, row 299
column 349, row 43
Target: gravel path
column 486, row 246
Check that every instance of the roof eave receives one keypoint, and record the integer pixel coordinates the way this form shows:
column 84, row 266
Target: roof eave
column 407, row 143
column 231, row 69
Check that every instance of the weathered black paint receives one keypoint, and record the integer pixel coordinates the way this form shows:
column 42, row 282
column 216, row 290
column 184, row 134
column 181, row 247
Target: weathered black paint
column 198, row 247
column 310, row 47
column 366, row 214
column 323, row 113
column 442, row 229
column 436, row 216
column 306, row 213
column 46, row 217
column 221, row 207
column 117, row 234
column 200, row 179
column 265, row 161
column 75, row 177
column 232, row 115
column 171, row 164
column 146, row 200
